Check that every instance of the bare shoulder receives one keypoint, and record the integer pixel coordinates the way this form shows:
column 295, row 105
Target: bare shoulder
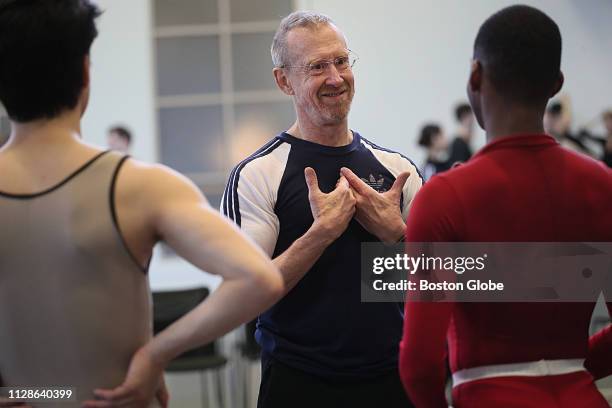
column 149, row 197
column 156, row 182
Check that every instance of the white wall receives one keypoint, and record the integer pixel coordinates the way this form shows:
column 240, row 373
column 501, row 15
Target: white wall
column 414, row 62
column 415, row 59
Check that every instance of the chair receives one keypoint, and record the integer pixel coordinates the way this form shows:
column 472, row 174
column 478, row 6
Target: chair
column 250, row 349
column 169, row 307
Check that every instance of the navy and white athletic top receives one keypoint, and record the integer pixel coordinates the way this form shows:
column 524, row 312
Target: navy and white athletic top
column 321, row 326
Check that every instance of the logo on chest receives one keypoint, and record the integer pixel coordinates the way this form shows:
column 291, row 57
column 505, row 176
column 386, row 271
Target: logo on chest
column 377, row 183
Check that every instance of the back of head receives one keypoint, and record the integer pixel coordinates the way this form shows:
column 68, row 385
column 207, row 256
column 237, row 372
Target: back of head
column 42, row 49
column 520, row 50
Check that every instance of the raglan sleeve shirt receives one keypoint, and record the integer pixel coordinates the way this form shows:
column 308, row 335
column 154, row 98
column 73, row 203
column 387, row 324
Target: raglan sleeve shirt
column 249, row 200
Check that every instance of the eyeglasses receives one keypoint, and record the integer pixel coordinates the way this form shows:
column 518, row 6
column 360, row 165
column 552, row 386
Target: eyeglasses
column 316, row 68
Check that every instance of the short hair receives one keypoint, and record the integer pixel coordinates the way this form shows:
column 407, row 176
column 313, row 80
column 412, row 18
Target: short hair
column 461, row 110
column 427, row 134
column 279, row 48
column 122, row 132
column 42, row 48
column 555, row 109
column 520, row 49
column 607, row 115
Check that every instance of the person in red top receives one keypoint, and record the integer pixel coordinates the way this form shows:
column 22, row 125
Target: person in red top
column 521, row 187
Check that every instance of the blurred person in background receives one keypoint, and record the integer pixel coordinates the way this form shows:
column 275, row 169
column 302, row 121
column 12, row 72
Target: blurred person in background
column 434, row 140
column 607, row 150
column 557, row 123
column 119, row 138
column 461, row 148
column 605, row 142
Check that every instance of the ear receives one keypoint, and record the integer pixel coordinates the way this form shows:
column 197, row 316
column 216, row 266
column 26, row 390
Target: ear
column 84, row 97
column 476, row 75
column 558, row 84
column 282, row 81
column 86, row 65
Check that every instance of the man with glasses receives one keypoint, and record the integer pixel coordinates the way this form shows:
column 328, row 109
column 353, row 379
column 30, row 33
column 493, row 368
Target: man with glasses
column 309, row 198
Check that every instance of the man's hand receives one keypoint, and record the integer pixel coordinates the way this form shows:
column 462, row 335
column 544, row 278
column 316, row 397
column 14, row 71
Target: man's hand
column 333, row 211
column 379, row 213
column 142, row 381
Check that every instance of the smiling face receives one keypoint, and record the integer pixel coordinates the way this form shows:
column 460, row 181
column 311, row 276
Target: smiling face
column 324, row 99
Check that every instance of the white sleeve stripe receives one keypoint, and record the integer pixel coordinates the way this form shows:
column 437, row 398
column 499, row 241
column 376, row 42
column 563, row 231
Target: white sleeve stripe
column 224, row 198
column 230, row 196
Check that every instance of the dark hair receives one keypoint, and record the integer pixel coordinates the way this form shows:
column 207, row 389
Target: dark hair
column 461, row 110
column 607, row 114
column 555, row 108
column 42, row 48
column 520, row 49
column 122, row 132
column 427, row 134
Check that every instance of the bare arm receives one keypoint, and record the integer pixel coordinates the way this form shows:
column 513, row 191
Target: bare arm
column 250, row 279
column 301, row 256
column 185, row 221
column 177, row 213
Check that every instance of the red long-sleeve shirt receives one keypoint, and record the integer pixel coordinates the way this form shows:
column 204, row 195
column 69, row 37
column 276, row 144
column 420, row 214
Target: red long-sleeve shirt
column 516, row 189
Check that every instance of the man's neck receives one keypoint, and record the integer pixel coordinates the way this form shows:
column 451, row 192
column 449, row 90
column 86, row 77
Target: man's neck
column 327, row 135
column 513, row 121
column 62, row 129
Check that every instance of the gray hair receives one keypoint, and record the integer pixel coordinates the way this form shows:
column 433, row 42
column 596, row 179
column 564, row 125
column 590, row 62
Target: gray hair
column 311, row 19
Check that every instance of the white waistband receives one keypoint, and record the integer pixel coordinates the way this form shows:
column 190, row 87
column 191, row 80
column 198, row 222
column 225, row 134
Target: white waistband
column 531, row 369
